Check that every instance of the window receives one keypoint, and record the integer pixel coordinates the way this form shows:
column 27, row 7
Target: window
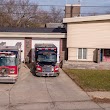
column 82, row 53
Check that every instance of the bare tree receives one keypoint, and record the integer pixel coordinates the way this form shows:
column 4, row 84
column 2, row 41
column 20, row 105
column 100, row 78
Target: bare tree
column 4, row 18
column 42, row 17
column 56, row 14
column 53, row 16
column 23, row 13
column 20, row 10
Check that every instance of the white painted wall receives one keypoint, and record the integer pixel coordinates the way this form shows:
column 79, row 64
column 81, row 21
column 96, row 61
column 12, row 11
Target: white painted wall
column 12, row 42
column 56, row 42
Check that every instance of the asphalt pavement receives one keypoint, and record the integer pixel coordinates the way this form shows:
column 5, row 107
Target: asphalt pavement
column 45, row 93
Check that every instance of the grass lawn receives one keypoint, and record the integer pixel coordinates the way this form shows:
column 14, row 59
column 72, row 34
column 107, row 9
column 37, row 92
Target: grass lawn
column 91, row 80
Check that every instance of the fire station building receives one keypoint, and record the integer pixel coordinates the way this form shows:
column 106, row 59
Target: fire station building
column 31, row 36
column 88, row 38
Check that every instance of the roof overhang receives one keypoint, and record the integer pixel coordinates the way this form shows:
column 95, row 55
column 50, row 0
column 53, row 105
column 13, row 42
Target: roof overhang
column 86, row 19
column 33, row 35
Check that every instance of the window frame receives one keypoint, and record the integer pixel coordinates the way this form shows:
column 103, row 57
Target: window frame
column 82, row 54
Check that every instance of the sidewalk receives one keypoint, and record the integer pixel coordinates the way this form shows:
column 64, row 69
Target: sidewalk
column 101, row 98
column 99, row 94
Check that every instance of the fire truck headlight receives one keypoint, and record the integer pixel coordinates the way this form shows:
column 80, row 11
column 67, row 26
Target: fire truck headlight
column 56, row 69
column 12, row 71
column 38, row 69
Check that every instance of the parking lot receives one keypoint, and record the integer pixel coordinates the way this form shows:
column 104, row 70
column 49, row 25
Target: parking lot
column 44, row 93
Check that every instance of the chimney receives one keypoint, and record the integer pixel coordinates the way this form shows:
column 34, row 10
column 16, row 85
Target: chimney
column 75, row 10
column 72, row 10
column 68, row 11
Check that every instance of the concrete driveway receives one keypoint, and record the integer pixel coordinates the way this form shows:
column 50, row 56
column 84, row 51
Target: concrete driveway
column 40, row 93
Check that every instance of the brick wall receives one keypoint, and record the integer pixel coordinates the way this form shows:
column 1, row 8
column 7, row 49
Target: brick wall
column 28, row 47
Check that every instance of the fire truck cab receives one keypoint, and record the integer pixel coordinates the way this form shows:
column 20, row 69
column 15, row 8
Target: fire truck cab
column 10, row 59
column 46, row 60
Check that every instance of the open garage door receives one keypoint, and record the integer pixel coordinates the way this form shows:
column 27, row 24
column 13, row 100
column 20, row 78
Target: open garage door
column 56, row 42
column 12, row 42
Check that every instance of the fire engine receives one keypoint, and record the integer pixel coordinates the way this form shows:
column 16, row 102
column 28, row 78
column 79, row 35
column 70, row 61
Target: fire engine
column 46, row 60
column 10, row 59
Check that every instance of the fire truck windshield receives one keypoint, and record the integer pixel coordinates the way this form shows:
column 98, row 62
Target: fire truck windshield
column 47, row 58
column 7, row 60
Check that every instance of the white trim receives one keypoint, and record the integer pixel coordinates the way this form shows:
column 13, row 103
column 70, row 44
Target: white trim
column 77, row 53
column 87, row 18
column 34, row 35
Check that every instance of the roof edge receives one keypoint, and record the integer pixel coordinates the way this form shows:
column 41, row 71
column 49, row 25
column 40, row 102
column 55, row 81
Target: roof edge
column 33, row 35
column 86, row 19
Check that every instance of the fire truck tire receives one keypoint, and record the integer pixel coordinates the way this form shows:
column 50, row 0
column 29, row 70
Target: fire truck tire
column 37, row 75
column 57, row 74
column 34, row 73
column 32, row 70
column 12, row 82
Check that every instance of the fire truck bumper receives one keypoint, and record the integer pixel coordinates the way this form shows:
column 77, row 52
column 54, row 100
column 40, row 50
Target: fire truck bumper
column 7, row 80
column 47, row 74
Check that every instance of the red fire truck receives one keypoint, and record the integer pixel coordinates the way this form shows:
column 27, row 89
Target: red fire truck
column 46, row 60
column 10, row 59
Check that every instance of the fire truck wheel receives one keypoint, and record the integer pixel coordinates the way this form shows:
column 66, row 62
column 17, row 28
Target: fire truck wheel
column 57, row 74
column 34, row 73
column 32, row 70
column 38, row 76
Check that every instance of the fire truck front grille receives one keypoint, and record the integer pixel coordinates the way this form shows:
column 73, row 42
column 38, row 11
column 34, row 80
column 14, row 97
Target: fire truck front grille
column 47, row 69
